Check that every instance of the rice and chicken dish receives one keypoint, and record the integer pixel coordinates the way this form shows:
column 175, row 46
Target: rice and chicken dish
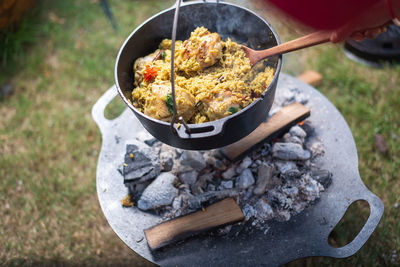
column 213, row 79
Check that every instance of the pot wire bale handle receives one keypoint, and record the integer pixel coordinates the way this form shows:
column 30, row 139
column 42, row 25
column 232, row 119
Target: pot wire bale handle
column 204, row 1
column 173, row 38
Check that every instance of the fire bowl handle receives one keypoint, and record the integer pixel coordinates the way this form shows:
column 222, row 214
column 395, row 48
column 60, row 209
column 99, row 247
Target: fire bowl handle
column 99, row 107
column 376, row 211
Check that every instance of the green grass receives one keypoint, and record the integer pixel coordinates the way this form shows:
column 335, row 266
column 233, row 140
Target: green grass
column 49, row 143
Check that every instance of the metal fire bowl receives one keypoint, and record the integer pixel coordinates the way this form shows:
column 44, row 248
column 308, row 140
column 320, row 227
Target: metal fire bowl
column 304, row 235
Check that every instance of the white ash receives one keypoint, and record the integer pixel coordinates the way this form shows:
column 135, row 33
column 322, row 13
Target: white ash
column 288, row 97
column 227, row 184
column 288, row 138
column 287, row 169
column 316, row 147
column 248, row 211
column 274, row 182
column 161, row 192
column 230, row 172
column 246, row 162
column 290, row 151
column 193, row 159
column 298, row 131
column 264, row 210
column 167, row 155
column 189, row 177
column 265, row 172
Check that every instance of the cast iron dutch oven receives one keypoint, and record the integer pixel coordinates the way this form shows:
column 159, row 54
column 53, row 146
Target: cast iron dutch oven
column 229, row 20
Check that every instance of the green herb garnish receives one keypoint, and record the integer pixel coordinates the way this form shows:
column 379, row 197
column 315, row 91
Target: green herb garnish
column 162, row 54
column 233, row 110
column 170, row 103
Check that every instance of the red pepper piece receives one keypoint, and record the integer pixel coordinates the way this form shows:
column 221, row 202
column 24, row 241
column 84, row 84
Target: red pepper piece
column 150, row 73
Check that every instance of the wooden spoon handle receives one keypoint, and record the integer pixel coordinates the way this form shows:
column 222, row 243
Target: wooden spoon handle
column 312, row 39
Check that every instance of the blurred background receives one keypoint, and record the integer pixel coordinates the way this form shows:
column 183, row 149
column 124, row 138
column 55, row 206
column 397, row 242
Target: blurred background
column 57, row 58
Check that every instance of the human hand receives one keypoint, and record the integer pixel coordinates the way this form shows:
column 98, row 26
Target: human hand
column 368, row 34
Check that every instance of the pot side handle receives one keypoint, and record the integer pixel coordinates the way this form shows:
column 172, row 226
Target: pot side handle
column 201, row 131
column 376, row 211
column 99, row 107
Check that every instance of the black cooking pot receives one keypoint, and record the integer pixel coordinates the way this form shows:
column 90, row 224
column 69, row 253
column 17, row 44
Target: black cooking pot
column 238, row 23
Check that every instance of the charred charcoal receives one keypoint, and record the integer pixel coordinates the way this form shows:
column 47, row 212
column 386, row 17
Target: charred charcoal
column 161, row 192
column 189, row 177
column 193, row 159
column 140, row 164
column 244, row 164
column 287, row 169
column 297, row 131
column 197, row 201
column 263, row 178
column 230, row 172
column 288, row 138
column 315, row 147
column 245, row 179
column 324, row 177
column 264, row 210
column 290, row 151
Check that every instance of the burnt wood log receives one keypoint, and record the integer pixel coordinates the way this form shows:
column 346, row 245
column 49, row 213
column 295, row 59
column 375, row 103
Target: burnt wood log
column 278, row 124
column 221, row 213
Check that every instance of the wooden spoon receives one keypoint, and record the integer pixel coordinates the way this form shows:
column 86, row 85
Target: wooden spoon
column 312, row 39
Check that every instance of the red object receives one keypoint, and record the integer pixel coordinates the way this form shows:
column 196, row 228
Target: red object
column 396, row 20
column 389, row 4
column 149, row 73
column 322, row 14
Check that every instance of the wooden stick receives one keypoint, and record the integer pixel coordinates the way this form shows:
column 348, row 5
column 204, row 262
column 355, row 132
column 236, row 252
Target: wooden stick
column 279, row 123
column 221, row 213
column 311, row 77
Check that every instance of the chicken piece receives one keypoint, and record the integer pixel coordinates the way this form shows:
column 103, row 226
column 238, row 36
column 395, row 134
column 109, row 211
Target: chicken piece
column 159, row 106
column 210, row 50
column 221, row 105
column 206, row 47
